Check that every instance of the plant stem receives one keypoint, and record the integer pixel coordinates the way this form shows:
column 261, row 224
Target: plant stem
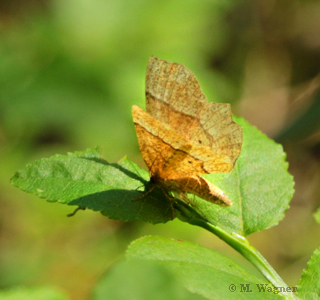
column 240, row 244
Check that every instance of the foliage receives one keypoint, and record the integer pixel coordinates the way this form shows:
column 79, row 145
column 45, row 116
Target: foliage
column 308, row 285
column 259, row 186
column 71, row 70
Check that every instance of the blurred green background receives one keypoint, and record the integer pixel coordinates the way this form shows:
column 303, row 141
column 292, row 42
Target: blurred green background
column 70, row 72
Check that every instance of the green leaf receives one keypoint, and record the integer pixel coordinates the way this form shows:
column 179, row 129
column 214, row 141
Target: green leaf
column 63, row 177
column 202, row 271
column 309, row 284
column 143, row 280
column 27, row 293
column 86, row 180
column 316, row 215
column 259, row 186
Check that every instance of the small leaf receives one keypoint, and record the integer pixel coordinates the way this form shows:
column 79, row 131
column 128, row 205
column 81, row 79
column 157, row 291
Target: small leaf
column 201, row 270
column 316, row 215
column 309, row 284
column 259, row 186
column 86, row 180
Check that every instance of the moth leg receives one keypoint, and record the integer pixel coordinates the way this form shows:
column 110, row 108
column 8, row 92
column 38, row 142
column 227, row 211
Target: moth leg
column 190, row 202
column 165, row 193
column 170, row 200
column 183, row 196
column 144, row 194
column 75, row 211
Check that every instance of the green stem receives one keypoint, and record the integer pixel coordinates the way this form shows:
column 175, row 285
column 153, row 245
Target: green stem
column 240, row 244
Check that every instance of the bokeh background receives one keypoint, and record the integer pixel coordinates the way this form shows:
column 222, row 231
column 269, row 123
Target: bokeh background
column 70, row 72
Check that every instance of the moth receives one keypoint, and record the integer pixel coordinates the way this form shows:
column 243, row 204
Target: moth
column 181, row 135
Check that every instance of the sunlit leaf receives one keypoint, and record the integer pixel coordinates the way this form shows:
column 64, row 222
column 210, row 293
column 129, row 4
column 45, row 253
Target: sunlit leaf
column 202, row 271
column 309, row 284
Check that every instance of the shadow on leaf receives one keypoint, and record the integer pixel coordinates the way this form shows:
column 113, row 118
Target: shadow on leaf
column 128, row 205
